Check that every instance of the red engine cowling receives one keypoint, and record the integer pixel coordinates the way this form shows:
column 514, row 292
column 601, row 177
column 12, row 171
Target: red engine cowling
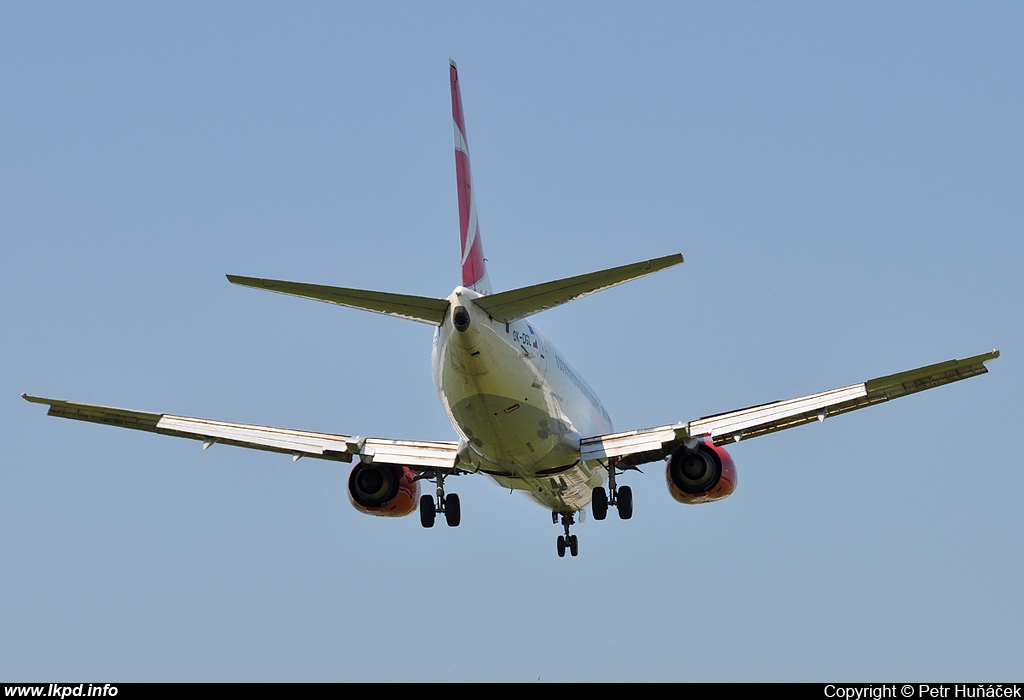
column 707, row 474
column 383, row 489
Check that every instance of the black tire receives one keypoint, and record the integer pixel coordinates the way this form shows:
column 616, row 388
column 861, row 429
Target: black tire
column 574, row 545
column 452, row 510
column 599, row 503
column 561, row 546
column 427, row 511
column 624, row 500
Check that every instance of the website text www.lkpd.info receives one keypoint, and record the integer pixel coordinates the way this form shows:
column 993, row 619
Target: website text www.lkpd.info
column 60, row 690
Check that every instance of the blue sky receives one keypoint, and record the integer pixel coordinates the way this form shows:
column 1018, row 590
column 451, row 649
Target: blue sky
column 845, row 181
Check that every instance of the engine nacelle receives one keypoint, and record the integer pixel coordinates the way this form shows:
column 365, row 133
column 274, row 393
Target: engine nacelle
column 704, row 475
column 383, row 489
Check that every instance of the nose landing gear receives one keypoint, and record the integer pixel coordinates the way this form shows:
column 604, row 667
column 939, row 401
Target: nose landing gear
column 567, row 541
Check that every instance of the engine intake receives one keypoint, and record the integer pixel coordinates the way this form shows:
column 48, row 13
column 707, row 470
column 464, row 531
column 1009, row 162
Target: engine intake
column 383, row 489
column 699, row 476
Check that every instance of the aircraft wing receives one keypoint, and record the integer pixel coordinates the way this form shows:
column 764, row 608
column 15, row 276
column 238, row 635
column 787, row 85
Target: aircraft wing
column 418, row 455
column 647, row 445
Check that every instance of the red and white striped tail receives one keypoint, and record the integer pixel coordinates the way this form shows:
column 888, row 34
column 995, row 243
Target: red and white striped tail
column 474, row 270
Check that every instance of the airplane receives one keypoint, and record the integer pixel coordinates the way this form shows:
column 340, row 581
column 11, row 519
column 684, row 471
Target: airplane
column 524, row 417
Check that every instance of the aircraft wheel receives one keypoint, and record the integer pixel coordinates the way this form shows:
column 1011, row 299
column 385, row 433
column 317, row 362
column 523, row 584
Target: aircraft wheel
column 574, row 545
column 599, row 503
column 452, row 510
column 561, row 546
column 427, row 511
column 624, row 499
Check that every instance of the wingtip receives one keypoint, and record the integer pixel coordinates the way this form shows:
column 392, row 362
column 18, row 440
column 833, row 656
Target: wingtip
column 451, row 62
column 240, row 280
column 668, row 260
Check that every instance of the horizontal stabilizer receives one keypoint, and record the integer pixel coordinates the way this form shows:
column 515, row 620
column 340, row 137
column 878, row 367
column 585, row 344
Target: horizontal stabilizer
column 519, row 303
column 422, row 309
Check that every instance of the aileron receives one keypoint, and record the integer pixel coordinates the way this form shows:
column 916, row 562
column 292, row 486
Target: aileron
column 928, row 377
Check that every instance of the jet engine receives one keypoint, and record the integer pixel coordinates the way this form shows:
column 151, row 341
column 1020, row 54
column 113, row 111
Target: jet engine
column 702, row 475
column 383, row 489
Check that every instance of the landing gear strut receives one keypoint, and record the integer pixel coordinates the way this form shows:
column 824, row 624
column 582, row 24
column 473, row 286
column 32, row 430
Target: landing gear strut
column 447, row 504
column 567, row 540
column 621, row 497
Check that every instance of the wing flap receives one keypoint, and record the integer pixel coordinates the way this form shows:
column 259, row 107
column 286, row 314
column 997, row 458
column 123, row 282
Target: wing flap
column 257, row 437
column 633, row 442
column 770, row 417
column 412, row 453
column 417, row 454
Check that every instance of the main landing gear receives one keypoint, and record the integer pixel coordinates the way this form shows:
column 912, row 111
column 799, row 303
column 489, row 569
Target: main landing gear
column 621, row 497
column 447, row 504
column 566, row 541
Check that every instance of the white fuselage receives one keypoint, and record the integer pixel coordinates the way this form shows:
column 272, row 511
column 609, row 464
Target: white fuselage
column 519, row 408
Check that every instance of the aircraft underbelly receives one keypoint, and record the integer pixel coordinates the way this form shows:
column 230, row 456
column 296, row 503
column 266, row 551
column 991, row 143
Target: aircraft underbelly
column 505, row 416
column 510, row 431
column 494, row 389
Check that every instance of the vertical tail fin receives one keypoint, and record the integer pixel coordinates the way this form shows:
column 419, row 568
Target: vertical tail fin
column 474, row 270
